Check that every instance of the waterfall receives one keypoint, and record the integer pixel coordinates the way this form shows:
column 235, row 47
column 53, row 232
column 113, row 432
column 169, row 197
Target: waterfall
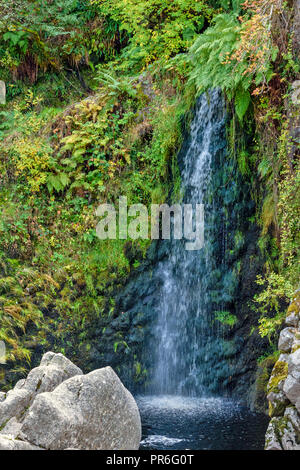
column 186, row 342
column 194, row 357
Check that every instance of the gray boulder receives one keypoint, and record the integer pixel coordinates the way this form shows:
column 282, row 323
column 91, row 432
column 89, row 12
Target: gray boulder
column 296, row 342
column 283, row 432
column 12, row 428
column 272, row 441
column 14, row 405
column 91, row 412
column 53, row 370
column 57, row 407
column 295, row 96
column 289, row 437
column 286, row 339
column 291, row 385
column 277, row 403
column 2, row 92
column 8, row 443
column 292, row 319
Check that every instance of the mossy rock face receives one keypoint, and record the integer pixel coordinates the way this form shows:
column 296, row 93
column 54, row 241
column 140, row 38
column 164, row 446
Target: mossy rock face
column 293, row 313
column 281, row 426
column 263, row 373
column 295, row 348
column 289, row 342
column 283, row 432
column 279, row 374
column 295, row 305
column 277, row 399
column 277, row 404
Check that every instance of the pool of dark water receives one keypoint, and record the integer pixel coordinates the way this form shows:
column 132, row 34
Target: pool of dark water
column 181, row 423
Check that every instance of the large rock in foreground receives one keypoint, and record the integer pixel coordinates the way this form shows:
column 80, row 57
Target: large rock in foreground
column 57, row 407
column 52, row 371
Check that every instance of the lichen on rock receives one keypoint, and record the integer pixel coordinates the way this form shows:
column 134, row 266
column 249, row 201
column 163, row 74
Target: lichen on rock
column 283, row 432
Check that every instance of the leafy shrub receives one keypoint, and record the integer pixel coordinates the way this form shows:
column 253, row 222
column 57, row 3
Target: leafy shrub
column 156, row 29
column 226, row 318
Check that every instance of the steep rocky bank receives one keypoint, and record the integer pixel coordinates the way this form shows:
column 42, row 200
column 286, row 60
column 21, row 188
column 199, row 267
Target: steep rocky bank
column 284, row 386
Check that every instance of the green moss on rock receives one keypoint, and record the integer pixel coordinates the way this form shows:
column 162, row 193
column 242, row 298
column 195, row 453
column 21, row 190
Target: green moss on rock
column 279, row 373
column 276, row 408
column 264, row 370
column 294, row 306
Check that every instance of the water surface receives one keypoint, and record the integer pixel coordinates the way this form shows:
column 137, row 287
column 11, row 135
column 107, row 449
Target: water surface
column 181, row 423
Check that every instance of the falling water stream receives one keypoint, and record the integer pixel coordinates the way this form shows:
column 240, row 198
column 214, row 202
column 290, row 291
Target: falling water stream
column 182, row 412
column 185, row 331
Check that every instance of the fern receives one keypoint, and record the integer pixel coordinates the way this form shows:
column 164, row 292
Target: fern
column 242, row 101
column 208, row 56
column 210, row 68
column 57, row 182
column 117, row 87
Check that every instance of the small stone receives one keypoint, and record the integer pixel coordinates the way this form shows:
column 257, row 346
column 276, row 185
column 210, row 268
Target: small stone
column 291, row 385
column 292, row 388
column 282, row 433
column 290, row 430
column 12, row 428
column 272, row 441
column 2, row 396
column 2, row 92
column 292, row 319
column 277, row 403
column 286, row 339
column 295, row 96
column 293, row 417
column 14, row 405
column 298, row 405
column 296, row 342
column 8, row 443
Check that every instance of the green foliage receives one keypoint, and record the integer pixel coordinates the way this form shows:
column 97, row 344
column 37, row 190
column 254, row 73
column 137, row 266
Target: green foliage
column 118, row 87
column 64, row 148
column 242, row 101
column 276, row 290
column 157, row 29
column 208, row 57
column 46, row 34
column 210, row 66
column 57, row 166
column 226, row 318
column 232, row 55
column 279, row 170
column 17, row 39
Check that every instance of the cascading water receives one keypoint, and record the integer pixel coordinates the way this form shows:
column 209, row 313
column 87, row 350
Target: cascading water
column 186, row 333
column 189, row 351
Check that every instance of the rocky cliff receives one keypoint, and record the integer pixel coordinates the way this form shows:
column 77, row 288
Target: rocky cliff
column 283, row 432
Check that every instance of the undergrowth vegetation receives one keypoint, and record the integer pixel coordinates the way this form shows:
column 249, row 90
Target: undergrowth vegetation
column 96, row 95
